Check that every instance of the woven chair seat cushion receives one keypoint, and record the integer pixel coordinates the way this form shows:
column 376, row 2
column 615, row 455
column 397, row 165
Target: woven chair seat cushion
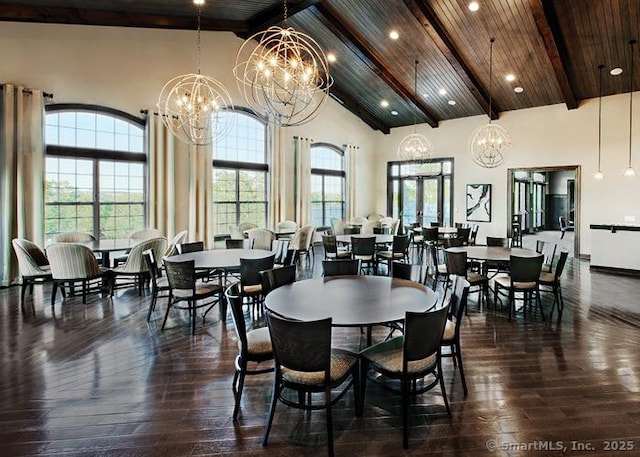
column 442, row 269
column 418, row 239
column 339, row 255
column 505, row 281
column 547, row 277
column 449, row 331
column 341, row 362
column 258, row 342
column 201, row 290
column 363, row 257
column 546, row 268
column 388, row 356
column 162, row 283
column 253, row 289
column 475, row 278
column 391, row 255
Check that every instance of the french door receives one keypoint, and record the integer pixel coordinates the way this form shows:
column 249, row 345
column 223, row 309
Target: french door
column 423, row 200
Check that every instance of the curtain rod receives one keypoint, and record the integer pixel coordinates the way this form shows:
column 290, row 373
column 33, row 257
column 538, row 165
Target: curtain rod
column 30, row 91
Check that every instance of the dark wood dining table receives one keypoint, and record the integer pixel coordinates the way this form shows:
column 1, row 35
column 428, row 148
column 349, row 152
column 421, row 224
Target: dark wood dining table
column 351, row 301
column 380, row 238
column 221, row 259
column 493, row 253
column 106, row 247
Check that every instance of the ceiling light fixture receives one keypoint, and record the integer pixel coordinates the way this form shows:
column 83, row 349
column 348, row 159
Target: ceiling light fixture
column 510, row 77
column 616, row 71
column 451, row 102
column 394, row 112
column 285, row 75
column 443, row 92
column 331, row 57
column 488, row 144
column 190, row 105
column 394, row 35
column 599, row 174
column 474, row 6
column 630, row 172
column 384, row 103
column 415, row 146
column 518, row 90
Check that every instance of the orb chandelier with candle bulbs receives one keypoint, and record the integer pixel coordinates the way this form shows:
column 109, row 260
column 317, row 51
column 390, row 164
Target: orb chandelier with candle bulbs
column 488, row 144
column 415, row 146
column 191, row 104
column 284, row 75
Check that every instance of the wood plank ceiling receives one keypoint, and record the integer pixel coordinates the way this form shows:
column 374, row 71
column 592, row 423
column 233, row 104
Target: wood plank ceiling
column 552, row 47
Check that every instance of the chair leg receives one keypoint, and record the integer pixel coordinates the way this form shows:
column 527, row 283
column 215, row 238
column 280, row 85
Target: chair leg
column 272, row 408
column 192, row 312
column 406, row 395
column 152, row 306
column 327, row 399
column 22, row 293
column 166, row 314
column 444, row 391
column 54, row 292
column 239, row 386
column 84, row 292
column 458, row 356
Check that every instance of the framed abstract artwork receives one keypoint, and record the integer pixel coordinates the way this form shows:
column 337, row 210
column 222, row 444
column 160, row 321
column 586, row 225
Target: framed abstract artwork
column 479, row 202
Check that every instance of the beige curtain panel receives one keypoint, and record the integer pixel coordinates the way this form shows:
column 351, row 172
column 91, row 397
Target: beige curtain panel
column 303, row 180
column 21, row 173
column 278, row 181
column 350, row 153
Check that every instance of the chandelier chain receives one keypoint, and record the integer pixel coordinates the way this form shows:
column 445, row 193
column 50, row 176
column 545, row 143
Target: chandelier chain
column 286, row 11
column 415, row 93
column 198, row 42
column 600, row 67
column 490, row 77
column 632, row 42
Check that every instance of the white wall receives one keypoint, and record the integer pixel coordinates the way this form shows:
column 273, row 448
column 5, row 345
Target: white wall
column 126, row 68
column 544, row 136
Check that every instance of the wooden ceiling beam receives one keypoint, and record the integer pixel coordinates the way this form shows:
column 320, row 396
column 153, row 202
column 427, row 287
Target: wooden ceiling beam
column 434, row 28
column 339, row 26
column 549, row 28
column 350, row 103
column 273, row 15
column 65, row 15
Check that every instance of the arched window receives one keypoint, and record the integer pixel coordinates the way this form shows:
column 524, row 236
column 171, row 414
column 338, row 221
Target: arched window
column 241, row 172
column 327, row 184
column 94, row 171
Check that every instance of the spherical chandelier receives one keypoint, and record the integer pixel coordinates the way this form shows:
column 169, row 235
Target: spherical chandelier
column 488, row 144
column 286, row 75
column 415, row 146
column 190, row 104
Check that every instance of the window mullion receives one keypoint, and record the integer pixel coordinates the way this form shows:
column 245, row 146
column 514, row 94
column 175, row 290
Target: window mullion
column 96, row 198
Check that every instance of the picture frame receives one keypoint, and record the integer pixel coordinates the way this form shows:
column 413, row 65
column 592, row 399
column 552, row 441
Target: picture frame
column 479, row 202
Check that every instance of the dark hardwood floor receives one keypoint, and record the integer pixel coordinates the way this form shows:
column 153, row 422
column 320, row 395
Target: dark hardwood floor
column 98, row 380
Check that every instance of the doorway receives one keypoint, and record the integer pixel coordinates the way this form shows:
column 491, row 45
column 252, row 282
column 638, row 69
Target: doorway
column 541, row 196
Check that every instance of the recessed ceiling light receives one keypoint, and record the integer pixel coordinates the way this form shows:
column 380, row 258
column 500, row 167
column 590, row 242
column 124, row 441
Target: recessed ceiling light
column 394, row 113
column 384, row 103
column 425, row 95
column 198, row 2
column 510, row 77
column 616, row 71
column 451, row 102
column 518, row 90
column 442, row 91
column 474, row 6
column 394, row 35
column 331, row 57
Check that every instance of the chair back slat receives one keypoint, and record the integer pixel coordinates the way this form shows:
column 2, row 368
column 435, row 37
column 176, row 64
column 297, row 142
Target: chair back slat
column 301, row 345
column 497, row 241
column 72, row 261
column 330, row 245
column 430, row 234
column 456, row 263
column 402, row 270
column 234, row 299
column 181, row 275
column 423, row 333
column 363, row 246
column 277, row 277
column 560, row 265
column 250, row 269
column 526, row 269
column 194, row 246
column 341, row 267
column 400, row 244
column 135, row 262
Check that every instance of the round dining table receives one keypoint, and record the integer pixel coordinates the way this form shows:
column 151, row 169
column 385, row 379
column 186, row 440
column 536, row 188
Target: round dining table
column 220, row 259
column 493, row 253
column 380, row 238
column 351, row 300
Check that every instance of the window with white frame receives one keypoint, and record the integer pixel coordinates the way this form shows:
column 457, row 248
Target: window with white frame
column 328, row 183
column 95, row 171
column 241, row 172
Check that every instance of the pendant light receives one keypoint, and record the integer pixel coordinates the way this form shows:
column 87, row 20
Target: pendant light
column 599, row 174
column 285, row 74
column 415, row 146
column 630, row 172
column 191, row 105
column 488, row 144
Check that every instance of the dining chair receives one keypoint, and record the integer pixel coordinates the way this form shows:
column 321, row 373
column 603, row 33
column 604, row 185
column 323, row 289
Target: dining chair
column 552, row 280
column 408, row 358
column 72, row 237
column 73, row 263
column 524, row 278
column 341, row 267
column 137, row 236
column 135, row 267
column 250, row 280
column 463, row 235
column 438, row 269
column 244, row 226
column 457, row 265
column 262, row 238
column 159, row 283
column 254, row 346
column 286, row 226
column 172, row 249
column 337, row 226
column 235, row 233
column 368, row 227
column 277, row 277
column 302, row 242
column 245, row 243
column 185, row 287
column 402, row 270
column 398, row 251
column 451, row 337
column 306, row 363
column 331, row 250
column 364, row 249
column 33, row 266
column 193, row 246
column 473, row 235
column 498, row 267
column 548, row 249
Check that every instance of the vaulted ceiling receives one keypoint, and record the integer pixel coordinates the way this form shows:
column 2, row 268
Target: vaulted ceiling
column 552, row 47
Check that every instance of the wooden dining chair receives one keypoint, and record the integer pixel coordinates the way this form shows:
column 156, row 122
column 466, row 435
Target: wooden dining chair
column 341, row 267
column 306, row 363
column 523, row 278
